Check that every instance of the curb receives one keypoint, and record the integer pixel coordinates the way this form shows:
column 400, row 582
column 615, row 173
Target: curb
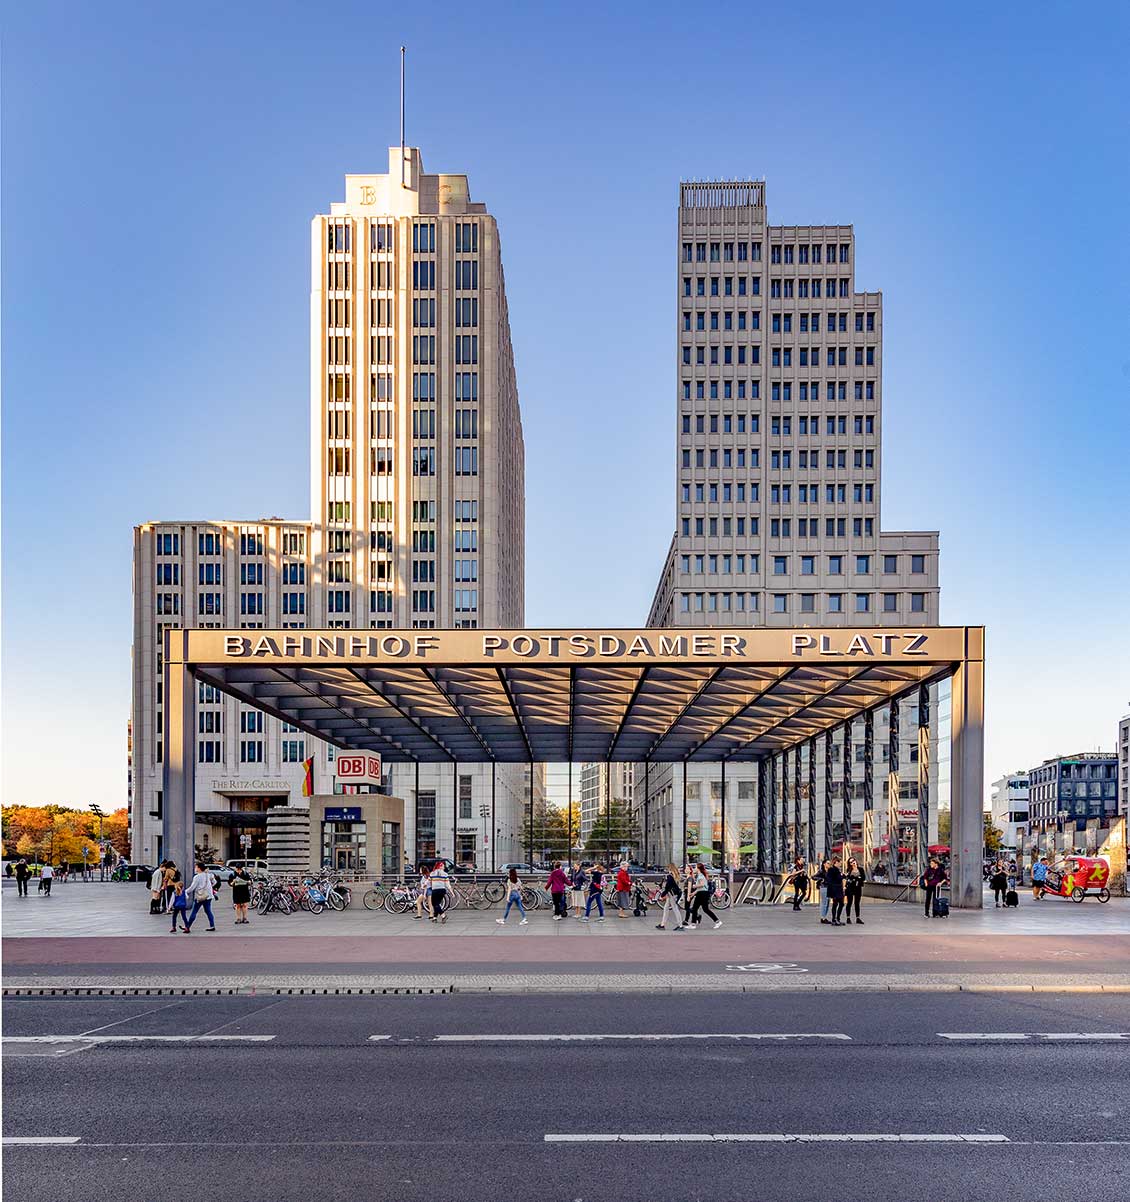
column 641, row 985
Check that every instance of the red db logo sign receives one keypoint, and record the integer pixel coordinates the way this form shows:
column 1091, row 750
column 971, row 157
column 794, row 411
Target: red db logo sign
column 358, row 768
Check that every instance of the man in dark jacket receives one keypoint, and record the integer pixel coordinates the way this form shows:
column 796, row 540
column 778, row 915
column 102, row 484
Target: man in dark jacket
column 932, row 880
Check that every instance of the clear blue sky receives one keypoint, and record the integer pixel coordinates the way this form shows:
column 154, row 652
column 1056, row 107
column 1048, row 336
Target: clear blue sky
column 161, row 164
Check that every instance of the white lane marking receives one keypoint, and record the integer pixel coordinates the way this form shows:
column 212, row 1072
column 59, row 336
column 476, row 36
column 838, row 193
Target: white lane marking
column 776, row 1138
column 41, row 1139
column 781, row 968
column 378, row 1038
column 649, row 1037
column 137, row 1038
column 1015, row 1036
column 1099, row 1035
column 130, row 1018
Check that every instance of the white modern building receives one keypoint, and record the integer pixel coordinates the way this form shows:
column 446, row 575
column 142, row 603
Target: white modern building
column 1009, row 808
column 778, row 434
column 417, row 517
column 1123, row 746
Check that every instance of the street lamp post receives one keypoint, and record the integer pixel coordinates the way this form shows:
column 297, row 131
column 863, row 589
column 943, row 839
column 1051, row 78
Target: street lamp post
column 96, row 810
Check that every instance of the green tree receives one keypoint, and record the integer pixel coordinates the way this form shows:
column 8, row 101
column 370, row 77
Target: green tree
column 552, row 826
column 614, row 828
column 944, row 827
column 994, row 837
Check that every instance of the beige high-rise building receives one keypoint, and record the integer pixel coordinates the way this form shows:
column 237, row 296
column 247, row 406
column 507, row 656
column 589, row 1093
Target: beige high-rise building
column 418, row 501
column 779, row 419
column 417, row 457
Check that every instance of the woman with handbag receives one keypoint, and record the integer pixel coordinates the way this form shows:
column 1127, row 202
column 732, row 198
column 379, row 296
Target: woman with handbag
column 853, row 889
column 202, row 890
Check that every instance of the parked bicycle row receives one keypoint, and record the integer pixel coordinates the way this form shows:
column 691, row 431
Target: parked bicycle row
column 436, row 893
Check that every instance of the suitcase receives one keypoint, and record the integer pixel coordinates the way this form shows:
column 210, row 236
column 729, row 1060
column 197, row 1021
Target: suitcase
column 156, row 906
column 941, row 908
column 1012, row 898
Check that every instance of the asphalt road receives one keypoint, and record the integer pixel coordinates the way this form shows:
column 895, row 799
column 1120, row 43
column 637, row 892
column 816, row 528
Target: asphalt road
column 320, row 1110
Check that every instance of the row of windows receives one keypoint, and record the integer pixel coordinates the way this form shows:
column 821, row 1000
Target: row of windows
column 807, row 494
column 807, row 390
column 809, row 252
column 778, row 527
column 721, row 252
column 805, row 289
column 783, row 603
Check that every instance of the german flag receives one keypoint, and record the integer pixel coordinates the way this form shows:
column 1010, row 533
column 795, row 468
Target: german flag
column 308, row 777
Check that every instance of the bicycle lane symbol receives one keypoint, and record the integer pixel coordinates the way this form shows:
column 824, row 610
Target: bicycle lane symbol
column 765, row 968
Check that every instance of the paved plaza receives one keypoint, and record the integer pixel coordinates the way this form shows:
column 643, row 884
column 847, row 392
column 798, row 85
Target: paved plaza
column 102, row 934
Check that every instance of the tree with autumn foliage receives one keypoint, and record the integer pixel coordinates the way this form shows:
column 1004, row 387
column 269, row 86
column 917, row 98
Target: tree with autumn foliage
column 58, row 834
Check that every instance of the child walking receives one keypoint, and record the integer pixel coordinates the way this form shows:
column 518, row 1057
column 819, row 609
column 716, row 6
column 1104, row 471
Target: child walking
column 178, row 906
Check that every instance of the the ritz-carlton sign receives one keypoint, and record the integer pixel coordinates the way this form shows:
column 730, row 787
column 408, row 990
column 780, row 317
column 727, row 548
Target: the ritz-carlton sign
column 626, row 646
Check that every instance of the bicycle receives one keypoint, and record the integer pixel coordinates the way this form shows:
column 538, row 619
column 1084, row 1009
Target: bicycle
column 375, row 898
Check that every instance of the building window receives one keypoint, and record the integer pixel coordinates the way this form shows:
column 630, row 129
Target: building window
column 890, row 603
column 780, row 603
column 835, row 603
column 917, row 603
column 890, row 564
column 862, row 603
column 918, row 564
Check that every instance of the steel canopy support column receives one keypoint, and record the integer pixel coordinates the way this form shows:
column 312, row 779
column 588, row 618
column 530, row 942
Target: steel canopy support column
column 797, row 790
column 923, row 777
column 893, row 792
column 607, row 810
column 684, row 839
column 646, row 812
column 569, row 814
column 531, row 817
column 454, row 811
column 762, row 813
column 967, row 761
column 829, row 821
column 811, row 849
column 416, row 819
column 868, row 790
column 845, row 799
column 725, row 862
column 493, row 817
column 774, row 834
column 179, row 756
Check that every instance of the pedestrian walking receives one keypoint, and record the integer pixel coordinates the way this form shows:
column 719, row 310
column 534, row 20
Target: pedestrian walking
column 821, row 882
column 834, row 883
column 178, row 907
column 932, row 880
column 799, row 882
column 579, row 879
column 623, row 888
column 157, row 889
column 700, row 887
column 241, row 894
column 672, row 899
column 998, row 882
column 424, row 895
column 1039, row 877
column 513, row 898
column 596, row 893
column 22, row 874
column 853, row 889
column 45, row 879
column 440, row 881
column 201, row 890
column 557, row 884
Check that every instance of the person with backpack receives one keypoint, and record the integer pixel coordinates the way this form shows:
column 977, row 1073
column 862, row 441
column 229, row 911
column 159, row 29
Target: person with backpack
column 513, row 898
column 202, row 890
column 578, row 879
column 178, row 906
column 672, row 899
column 998, row 882
column 23, row 872
column 799, row 882
column 596, row 893
column 932, row 880
column 853, row 889
column 557, row 885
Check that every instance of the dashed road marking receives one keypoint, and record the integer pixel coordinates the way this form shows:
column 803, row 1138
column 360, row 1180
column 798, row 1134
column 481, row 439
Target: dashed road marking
column 1023, row 1036
column 137, row 1038
column 776, row 1138
column 646, row 1037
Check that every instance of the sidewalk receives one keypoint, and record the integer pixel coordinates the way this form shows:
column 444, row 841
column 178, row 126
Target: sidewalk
column 105, row 937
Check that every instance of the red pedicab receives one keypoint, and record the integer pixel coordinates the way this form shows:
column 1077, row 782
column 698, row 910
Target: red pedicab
column 1077, row 877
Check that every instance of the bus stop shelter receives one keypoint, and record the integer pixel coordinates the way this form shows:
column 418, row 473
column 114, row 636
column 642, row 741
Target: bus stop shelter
column 646, row 696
